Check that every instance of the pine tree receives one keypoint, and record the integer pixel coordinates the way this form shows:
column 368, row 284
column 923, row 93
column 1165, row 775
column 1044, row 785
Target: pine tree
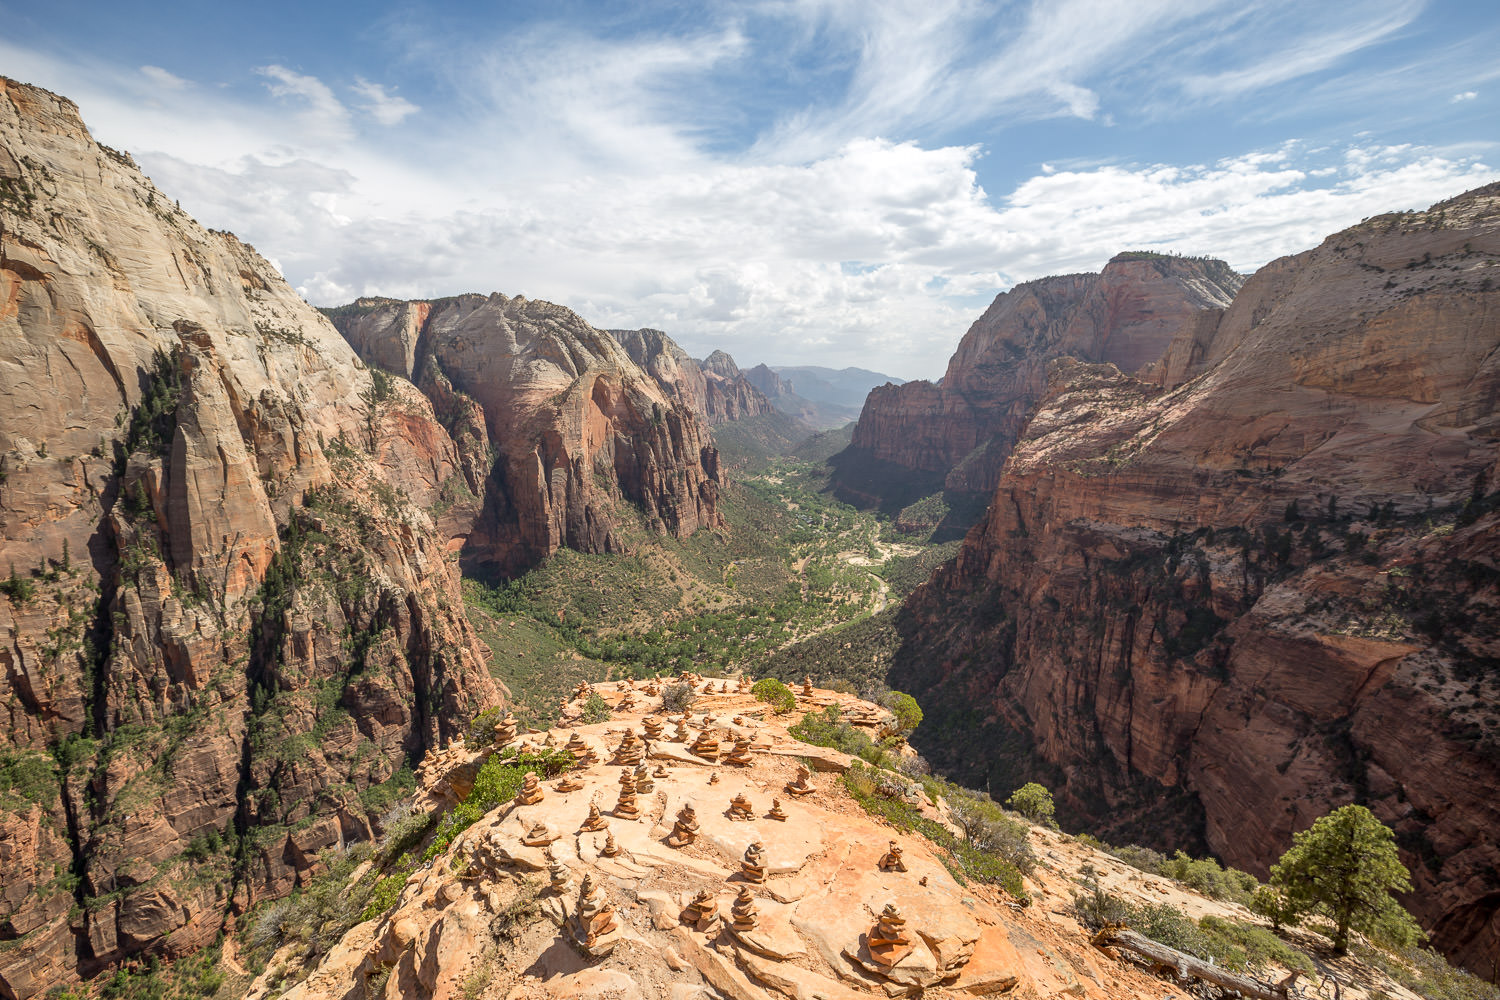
column 1345, row 867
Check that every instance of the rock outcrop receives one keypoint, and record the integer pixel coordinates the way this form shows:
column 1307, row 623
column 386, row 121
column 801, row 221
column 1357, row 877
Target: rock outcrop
column 1212, row 603
column 575, row 425
column 713, row 388
column 227, row 624
column 915, row 439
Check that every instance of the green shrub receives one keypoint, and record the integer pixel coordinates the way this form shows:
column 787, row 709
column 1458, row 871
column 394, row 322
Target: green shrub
column 1034, row 802
column 908, row 713
column 595, row 709
column 677, row 698
column 1206, row 876
column 775, row 694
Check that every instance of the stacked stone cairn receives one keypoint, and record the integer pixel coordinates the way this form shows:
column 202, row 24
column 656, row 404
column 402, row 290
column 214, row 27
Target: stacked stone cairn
column 531, row 790
column 626, row 808
column 776, row 813
column 595, row 820
column 702, row 910
column 652, row 726
column 631, row 750
column 643, row 781
column 682, row 734
column 743, row 911
column 892, row 862
column 705, row 746
column 596, row 925
column 685, row 829
column 506, row 730
column 888, row 940
column 610, row 848
column 539, row 834
column 568, row 784
column 753, row 864
column 801, row 785
column 739, row 756
column 741, row 809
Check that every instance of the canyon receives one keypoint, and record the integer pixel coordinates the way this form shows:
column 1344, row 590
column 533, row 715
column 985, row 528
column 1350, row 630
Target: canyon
column 1258, row 578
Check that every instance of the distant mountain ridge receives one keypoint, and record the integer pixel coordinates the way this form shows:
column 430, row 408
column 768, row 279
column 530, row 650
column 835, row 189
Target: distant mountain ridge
column 821, row 397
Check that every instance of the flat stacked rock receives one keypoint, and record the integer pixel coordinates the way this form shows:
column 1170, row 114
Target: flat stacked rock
column 596, row 926
column 888, row 940
column 652, row 726
column 743, row 912
column 595, row 820
column 753, row 864
column 700, row 913
column 559, row 875
column 506, row 730
column 891, row 861
column 610, row 848
column 705, row 746
column 643, row 780
column 631, row 750
column 685, row 829
column 626, row 808
column 531, row 790
column 539, row 834
column 739, row 756
column 801, row 785
column 568, row 784
column 776, row 812
column 740, row 808
column 682, row 734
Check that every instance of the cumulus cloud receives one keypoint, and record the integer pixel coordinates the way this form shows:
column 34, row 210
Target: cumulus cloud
column 162, row 78
column 1467, row 95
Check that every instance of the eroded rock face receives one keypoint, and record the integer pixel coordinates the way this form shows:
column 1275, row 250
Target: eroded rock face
column 713, row 388
column 1210, row 605
column 230, row 615
column 577, row 426
column 956, row 435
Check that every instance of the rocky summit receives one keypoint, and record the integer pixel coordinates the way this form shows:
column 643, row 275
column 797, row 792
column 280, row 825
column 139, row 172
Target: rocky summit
column 1258, row 579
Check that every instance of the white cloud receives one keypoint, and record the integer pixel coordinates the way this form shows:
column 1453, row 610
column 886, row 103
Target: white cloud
column 322, row 112
column 162, row 78
column 1467, row 95
column 385, row 108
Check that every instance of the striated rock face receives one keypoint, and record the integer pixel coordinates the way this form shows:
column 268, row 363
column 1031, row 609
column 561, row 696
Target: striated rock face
column 576, row 426
column 1212, row 605
column 713, row 388
column 228, row 624
column 957, row 434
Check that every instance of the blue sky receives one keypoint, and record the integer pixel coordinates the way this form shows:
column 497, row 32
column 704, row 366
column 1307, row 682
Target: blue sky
column 833, row 181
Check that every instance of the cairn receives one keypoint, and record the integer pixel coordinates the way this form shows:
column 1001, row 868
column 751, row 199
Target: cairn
column 682, row 734
column 744, row 685
column 652, row 690
column 739, row 720
column 661, row 771
column 652, row 726
column 559, row 874
column 610, row 848
column 595, row 820
column 801, row 786
column 713, row 777
column 631, row 750
column 807, row 688
column 702, row 910
column 627, row 703
column 577, row 747
column 685, row 829
column 705, row 746
column 540, row 835
column 626, row 808
column 505, row 730
column 739, row 756
column 596, row 925
column 776, row 813
column 708, row 688
column 753, row 864
column 741, row 809
column 531, row 790
column 568, row 784
column 643, row 782
column 888, row 941
column 582, row 691
column 892, row 862
column 743, row 912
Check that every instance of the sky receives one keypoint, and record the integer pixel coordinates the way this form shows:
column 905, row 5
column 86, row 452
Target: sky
column 837, row 182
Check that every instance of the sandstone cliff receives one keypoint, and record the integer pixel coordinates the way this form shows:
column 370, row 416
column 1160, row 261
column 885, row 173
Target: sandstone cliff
column 1209, row 605
column 713, row 388
column 576, row 426
column 915, row 439
column 227, row 624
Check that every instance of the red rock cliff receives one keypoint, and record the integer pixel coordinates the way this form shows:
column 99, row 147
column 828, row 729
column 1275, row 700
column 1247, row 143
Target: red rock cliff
column 958, row 433
column 1210, row 606
column 227, row 621
column 576, row 425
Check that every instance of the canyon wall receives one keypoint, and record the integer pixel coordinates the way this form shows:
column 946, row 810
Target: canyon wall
column 1262, row 580
column 918, row 438
column 565, row 427
column 227, row 623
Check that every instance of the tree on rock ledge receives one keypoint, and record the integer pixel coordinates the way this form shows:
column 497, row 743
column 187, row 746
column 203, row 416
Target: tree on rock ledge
column 1346, row 868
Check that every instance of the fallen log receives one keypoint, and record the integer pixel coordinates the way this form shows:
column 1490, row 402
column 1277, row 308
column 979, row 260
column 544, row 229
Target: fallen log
column 1186, row 965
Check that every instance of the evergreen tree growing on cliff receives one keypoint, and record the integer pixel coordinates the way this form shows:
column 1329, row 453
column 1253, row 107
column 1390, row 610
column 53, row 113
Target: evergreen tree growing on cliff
column 1346, row 867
